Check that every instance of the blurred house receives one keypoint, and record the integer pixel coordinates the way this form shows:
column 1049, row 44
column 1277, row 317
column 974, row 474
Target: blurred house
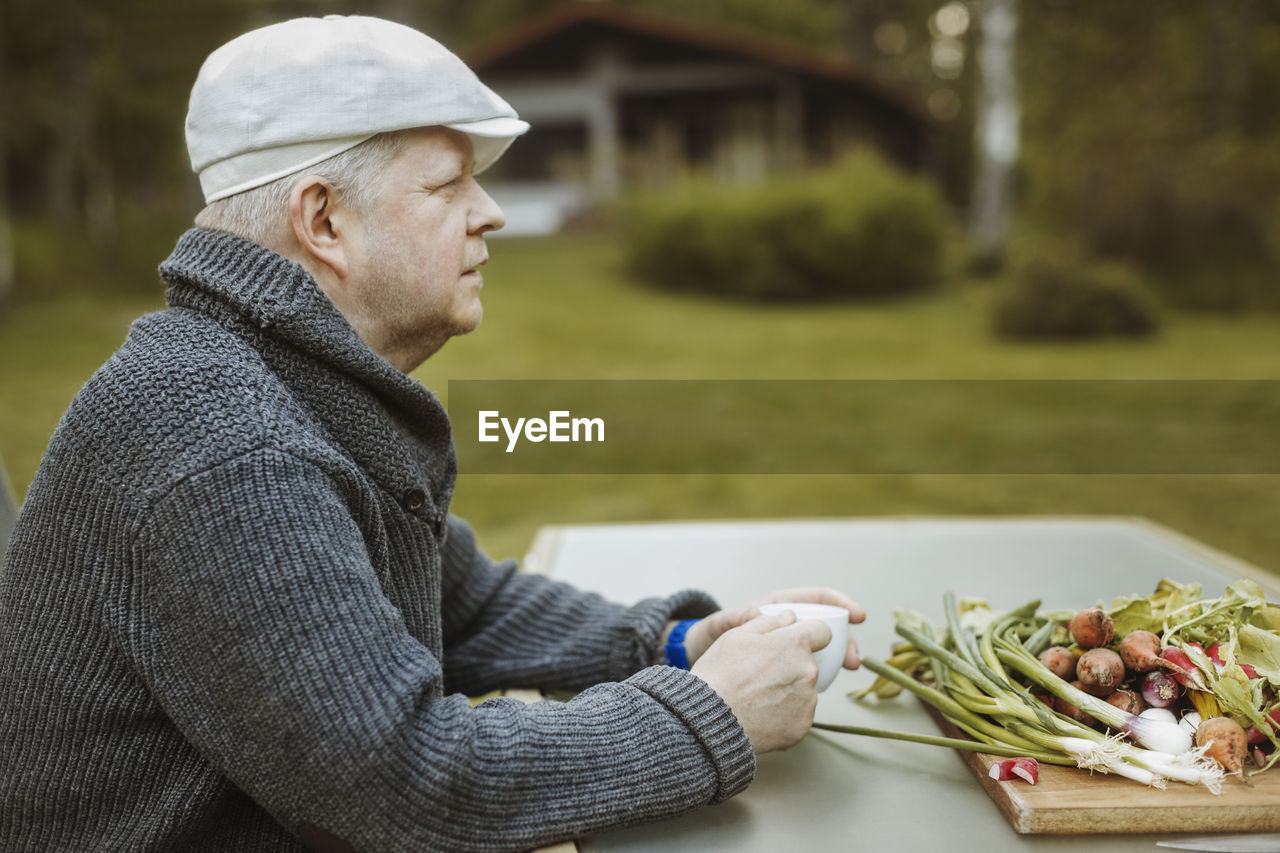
column 620, row 98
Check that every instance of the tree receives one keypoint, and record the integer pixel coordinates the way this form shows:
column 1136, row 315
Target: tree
column 996, row 148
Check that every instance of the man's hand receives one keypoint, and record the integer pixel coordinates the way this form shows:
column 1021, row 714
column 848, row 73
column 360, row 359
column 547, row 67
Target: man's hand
column 705, row 632
column 765, row 672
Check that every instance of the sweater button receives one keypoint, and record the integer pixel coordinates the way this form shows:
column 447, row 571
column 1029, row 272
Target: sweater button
column 415, row 499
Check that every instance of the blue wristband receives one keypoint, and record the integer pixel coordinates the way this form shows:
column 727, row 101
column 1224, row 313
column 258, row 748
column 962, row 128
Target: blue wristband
column 674, row 648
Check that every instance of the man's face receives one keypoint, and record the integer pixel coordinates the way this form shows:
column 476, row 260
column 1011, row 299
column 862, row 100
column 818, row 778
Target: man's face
column 415, row 267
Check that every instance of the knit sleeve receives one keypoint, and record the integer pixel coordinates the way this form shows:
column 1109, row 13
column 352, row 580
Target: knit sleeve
column 264, row 637
column 504, row 628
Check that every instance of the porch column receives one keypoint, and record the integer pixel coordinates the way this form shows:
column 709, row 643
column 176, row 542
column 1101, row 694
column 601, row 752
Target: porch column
column 604, row 144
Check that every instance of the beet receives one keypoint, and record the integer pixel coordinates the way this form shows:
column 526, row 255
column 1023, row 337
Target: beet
column 1127, row 700
column 1224, row 742
column 1100, row 672
column 1060, row 662
column 1091, row 628
column 1140, row 651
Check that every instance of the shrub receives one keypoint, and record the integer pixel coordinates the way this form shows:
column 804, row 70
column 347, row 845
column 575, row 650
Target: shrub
column 859, row 228
column 1071, row 299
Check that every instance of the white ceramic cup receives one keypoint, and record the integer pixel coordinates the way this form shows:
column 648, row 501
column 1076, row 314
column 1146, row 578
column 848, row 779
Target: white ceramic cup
column 831, row 656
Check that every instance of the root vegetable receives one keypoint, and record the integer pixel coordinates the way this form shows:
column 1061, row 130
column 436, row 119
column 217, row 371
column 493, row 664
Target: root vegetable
column 1159, row 715
column 1026, row 769
column 1224, row 741
column 1140, row 651
column 1183, row 668
column 1060, row 662
column 1256, row 735
column 1091, row 628
column 1160, row 690
column 1126, row 700
column 1100, row 671
column 1214, row 653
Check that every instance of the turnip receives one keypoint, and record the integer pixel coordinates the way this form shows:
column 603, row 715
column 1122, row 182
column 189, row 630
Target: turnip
column 1140, row 651
column 1224, row 741
column 1060, row 662
column 1100, row 672
column 1091, row 628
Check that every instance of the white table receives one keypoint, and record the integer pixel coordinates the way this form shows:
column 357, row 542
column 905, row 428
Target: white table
column 837, row 792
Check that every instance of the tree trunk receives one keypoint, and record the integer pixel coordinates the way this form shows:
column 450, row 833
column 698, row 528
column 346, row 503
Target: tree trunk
column 861, row 19
column 65, row 160
column 7, row 265
column 996, row 147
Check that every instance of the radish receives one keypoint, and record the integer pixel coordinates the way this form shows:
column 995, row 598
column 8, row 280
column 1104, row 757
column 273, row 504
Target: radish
column 1214, row 653
column 1091, row 628
column 1184, row 670
column 1026, row 769
column 1255, row 735
column 1140, row 651
column 1100, row 672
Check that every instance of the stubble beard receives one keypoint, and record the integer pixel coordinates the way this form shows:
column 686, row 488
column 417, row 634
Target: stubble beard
column 412, row 326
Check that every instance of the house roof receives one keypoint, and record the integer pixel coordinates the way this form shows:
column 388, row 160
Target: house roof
column 575, row 16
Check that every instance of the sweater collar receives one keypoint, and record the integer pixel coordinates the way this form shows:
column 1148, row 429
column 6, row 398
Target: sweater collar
column 226, row 277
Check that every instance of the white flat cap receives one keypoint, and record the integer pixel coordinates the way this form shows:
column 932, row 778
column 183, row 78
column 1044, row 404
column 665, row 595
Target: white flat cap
column 284, row 97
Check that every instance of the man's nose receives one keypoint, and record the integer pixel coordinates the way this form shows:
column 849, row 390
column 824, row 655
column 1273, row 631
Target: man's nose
column 486, row 215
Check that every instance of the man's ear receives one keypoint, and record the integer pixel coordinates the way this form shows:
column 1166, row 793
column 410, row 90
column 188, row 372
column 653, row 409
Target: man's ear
column 320, row 222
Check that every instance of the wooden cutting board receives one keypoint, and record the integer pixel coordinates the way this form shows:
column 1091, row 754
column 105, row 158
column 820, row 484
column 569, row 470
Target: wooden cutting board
column 1069, row 801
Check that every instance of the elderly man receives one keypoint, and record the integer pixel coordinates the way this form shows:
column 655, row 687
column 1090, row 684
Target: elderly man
column 236, row 613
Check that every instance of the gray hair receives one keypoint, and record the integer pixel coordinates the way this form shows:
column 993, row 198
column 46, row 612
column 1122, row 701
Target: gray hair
column 260, row 214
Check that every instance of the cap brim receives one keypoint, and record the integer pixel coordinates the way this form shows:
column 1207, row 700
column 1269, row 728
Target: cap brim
column 490, row 137
column 499, row 126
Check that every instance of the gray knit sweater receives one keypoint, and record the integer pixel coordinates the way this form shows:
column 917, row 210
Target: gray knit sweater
column 234, row 604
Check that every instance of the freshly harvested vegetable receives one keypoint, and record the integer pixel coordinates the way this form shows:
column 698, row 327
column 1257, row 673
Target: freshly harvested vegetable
column 1140, row 651
column 1214, row 653
column 1127, row 700
column 1271, row 720
column 1092, row 627
column 1160, row 690
column 1026, row 769
column 1223, row 740
column 1184, row 669
column 987, row 672
column 1062, row 706
column 1151, row 733
column 978, row 670
column 1100, row 672
column 1060, row 662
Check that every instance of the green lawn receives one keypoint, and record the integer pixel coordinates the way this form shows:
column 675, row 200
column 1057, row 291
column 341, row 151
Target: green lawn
column 561, row 309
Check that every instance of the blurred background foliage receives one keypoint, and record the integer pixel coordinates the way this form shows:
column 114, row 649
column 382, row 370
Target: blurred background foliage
column 1148, row 130
column 855, row 229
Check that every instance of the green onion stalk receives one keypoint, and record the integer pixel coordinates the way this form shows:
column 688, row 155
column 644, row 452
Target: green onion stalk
column 976, row 693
